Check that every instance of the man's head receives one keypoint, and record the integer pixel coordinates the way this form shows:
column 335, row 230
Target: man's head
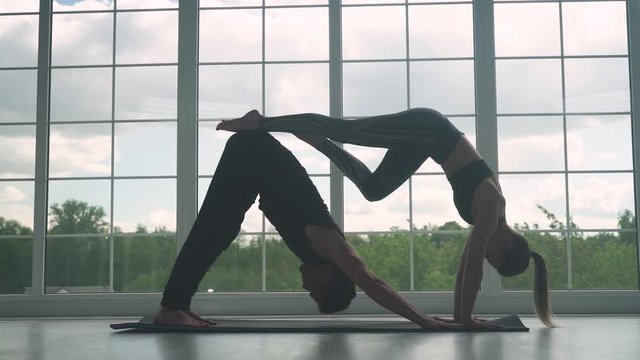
column 328, row 286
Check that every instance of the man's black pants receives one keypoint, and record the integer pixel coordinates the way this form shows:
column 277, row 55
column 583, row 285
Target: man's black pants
column 253, row 163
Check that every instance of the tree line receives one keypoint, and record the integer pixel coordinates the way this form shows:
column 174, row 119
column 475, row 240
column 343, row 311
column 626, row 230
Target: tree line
column 142, row 260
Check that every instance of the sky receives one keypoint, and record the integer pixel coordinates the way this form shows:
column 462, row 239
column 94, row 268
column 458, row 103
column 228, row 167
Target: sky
column 526, row 143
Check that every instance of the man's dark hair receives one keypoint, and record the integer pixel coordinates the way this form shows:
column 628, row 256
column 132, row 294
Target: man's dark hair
column 337, row 295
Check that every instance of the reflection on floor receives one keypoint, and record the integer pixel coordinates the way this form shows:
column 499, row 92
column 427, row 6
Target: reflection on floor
column 584, row 338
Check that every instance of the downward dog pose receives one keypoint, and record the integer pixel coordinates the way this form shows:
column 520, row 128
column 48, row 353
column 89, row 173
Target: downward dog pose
column 253, row 163
column 411, row 137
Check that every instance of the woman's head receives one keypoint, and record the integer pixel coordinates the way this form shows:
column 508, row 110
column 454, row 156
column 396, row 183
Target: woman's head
column 331, row 289
column 513, row 259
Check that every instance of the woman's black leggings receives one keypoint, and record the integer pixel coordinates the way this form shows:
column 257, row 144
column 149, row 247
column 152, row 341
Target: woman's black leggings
column 253, row 163
column 411, row 137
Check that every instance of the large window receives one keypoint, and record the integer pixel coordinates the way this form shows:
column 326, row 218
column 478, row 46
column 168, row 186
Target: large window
column 101, row 126
column 112, row 146
column 18, row 80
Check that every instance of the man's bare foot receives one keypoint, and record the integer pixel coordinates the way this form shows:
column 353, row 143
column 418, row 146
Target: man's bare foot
column 166, row 316
column 198, row 317
column 249, row 121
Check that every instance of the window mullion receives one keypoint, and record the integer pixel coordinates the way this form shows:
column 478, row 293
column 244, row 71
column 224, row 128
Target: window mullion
column 187, row 127
column 335, row 103
column 633, row 23
column 42, row 148
column 486, row 111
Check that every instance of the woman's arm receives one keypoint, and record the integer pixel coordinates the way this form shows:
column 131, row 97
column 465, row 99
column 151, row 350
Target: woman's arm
column 457, row 294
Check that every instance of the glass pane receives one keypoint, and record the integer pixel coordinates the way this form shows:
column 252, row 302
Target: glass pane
column 147, row 4
column 599, row 142
column 297, row 34
column 447, row 86
column 432, row 202
column 205, row 3
column 535, row 201
column 18, row 40
column 440, row 31
column 553, row 247
column 530, row 143
column 146, row 93
column 81, row 94
column 391, row 213
column 18, row 149
column 436, row 258
column 148, row 204
column 77, row 265
column 82, row 39
column 366, row 95
column 15, row 264
column 597, row 200
column 80, row 150
column 594, row 28
column 252, row 218
column 230, row 35
column 229, row 91
column 597, row 85
column 295, row 2
column 605, row 260
column 142, row 263
column 147, row 37
column 311, row 159
column 18, row 96
column 10, row 6
column 238, row 268
column 386, row 255
column 291, row 89
column 283, row 272
column 346, row 2
column 16, row 207
column 374, row 32
column 529, row 86
column 145, row 149
column 81, row 5
column 79, row 206
column 527, row 29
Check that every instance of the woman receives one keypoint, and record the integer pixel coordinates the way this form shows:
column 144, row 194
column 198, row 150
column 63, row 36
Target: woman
column 411, row 137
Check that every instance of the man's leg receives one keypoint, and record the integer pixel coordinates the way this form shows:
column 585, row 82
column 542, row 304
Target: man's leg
column 232, row 191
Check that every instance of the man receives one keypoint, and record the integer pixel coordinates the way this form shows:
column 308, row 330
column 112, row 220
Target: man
column 253, row 163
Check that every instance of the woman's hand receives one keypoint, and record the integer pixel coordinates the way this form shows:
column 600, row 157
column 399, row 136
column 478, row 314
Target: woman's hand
column 436, row 323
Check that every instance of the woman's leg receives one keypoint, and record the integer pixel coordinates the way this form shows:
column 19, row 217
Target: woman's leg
column 416, row 128
column 395, row 168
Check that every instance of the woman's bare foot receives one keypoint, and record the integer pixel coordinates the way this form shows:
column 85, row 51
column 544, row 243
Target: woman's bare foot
column 249, row 121
column 198, row 317
column 166, row 316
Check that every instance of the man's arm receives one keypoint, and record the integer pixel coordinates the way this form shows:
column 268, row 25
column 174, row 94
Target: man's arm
column 332, row 246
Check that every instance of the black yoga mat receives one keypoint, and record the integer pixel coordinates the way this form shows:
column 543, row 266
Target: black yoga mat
column 510, row 323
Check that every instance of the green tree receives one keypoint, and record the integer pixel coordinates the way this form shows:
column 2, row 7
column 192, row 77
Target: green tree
column 15, row 257
column 77, row 217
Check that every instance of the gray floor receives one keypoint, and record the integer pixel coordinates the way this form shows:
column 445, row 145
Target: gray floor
column 584, row 338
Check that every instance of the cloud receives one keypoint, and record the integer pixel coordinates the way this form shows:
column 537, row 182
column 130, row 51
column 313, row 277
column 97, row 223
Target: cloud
column 12, row 194
column 18, row 156
column 80, row 155
column 162, row 217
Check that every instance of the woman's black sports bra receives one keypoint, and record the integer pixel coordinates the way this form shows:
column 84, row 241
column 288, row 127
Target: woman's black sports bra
column 464, row 183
